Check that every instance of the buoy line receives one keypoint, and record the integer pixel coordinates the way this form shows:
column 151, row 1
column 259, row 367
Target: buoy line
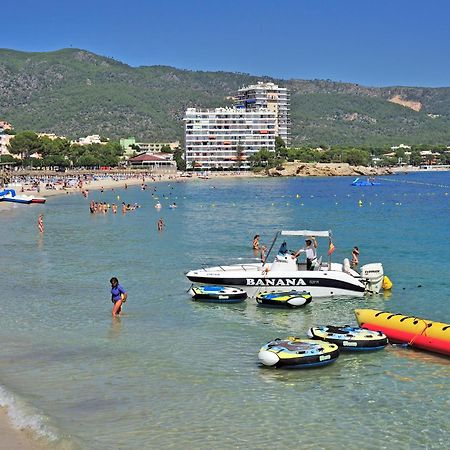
column 415, row 182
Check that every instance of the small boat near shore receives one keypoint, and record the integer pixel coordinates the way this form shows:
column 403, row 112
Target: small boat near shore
column 286, row 299
column 297, row 353
column 349, row 338
column 414, row 331
column 217, row 294
column 327, row 279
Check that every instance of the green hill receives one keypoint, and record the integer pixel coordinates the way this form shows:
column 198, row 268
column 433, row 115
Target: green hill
column 74, row 93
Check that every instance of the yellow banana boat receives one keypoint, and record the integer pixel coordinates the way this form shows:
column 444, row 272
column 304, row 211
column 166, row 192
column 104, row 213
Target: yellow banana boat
column 414, row 331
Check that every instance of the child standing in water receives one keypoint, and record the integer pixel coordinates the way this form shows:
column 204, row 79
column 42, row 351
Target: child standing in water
column 118, row 296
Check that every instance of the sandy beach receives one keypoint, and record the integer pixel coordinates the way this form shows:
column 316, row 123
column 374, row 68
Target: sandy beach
column 110, row 181
column 13, row 439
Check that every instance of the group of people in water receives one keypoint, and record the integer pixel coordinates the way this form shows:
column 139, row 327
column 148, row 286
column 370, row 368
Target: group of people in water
column 103, row 207
column 310, row 251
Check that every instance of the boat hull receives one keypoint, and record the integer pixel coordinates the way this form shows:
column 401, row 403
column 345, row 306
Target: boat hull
column 416, row 332
column 254, row 280
column 24, row 201
column 38, row 200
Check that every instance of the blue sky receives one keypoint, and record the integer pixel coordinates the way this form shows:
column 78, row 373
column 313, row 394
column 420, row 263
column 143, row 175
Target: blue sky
column 371, row 42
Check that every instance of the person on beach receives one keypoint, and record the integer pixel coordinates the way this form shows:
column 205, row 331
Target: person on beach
column 310, row 252
column 160, row 225
column 118, row 296
column 355, row 257
column 256, row 242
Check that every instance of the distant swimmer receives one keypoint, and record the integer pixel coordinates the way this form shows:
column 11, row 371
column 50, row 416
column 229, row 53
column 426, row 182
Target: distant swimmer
column 158, row 205
column 118, row 296
column 160, row 224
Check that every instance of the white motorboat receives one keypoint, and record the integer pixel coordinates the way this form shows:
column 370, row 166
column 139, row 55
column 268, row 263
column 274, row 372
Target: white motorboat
column 327, row 279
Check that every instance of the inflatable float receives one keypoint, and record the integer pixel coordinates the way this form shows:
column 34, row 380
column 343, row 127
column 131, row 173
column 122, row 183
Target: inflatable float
column 9, row 195
column 414, row 331
column 217, row 294
column 349, row 338
column 368, row 182
column 286, row 299
column 296, row 353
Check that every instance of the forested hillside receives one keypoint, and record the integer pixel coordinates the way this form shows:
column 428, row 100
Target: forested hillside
column 74, row 93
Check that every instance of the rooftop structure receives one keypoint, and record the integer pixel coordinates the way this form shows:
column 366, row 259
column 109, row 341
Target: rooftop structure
column 92, row 139
column 271, row 97
column 154, row 161
column 130, row 144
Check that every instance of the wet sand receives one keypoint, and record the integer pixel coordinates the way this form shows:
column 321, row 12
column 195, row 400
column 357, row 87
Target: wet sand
column 13, row 439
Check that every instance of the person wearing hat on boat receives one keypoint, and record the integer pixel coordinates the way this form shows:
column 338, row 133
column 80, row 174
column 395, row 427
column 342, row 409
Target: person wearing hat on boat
column 118, row 296
column 310, row 252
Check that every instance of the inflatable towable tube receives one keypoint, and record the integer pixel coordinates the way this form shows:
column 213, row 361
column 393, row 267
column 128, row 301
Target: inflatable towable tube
column 414, row 331
column 287, row 299
column 297, row 353
column 218, row 294
column 349, row 338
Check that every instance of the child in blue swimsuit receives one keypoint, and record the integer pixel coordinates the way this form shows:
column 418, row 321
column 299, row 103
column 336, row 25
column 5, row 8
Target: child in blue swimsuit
column 118, row 296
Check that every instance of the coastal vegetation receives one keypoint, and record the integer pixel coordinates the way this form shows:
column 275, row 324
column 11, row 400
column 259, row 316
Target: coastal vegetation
column 41, row 151
column 75, row 93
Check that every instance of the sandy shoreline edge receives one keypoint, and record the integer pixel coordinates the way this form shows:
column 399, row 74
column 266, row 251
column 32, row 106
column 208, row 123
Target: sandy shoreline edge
column 109, row 183
column 12, row 438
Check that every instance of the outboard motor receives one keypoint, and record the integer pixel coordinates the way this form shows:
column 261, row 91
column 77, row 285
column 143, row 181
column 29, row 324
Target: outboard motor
column 372, row 275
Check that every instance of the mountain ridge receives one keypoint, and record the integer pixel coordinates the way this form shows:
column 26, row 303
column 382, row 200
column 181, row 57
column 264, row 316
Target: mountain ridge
column 75, row 92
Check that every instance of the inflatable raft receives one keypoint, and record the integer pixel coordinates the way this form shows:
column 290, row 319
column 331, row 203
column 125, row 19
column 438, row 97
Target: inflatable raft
column 349, row 338
column 218, row 294
column 296, row 353
column 287, row 299
column 414, row 331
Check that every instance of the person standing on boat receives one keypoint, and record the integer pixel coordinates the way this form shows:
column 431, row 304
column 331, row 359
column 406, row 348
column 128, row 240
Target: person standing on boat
column 355, row 257
column 256, row 242
column 118, row 296
column 310, row 252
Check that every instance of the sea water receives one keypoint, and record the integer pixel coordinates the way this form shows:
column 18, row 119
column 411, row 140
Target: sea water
column 173, row 373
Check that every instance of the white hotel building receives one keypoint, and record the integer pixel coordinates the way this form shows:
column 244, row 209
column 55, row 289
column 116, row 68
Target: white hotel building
column 225, row 138
column 271, row 97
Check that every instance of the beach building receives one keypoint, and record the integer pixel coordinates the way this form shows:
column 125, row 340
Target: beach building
column 92, row 139
column 130, row 146
column 4, row 141
column 225, row 138
column 271, row 97
column 158, row 162
column 5, row 126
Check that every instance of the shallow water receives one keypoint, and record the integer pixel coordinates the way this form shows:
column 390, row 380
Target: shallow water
column 172, row 373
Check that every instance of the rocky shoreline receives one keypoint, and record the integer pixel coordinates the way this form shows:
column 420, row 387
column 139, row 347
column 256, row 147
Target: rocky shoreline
column 301, row 169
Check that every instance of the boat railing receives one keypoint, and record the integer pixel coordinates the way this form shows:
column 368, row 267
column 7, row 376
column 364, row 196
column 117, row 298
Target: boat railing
column 245, row 267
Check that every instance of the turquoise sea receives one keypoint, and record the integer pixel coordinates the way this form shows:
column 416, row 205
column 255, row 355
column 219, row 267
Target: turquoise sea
column 176, row 374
